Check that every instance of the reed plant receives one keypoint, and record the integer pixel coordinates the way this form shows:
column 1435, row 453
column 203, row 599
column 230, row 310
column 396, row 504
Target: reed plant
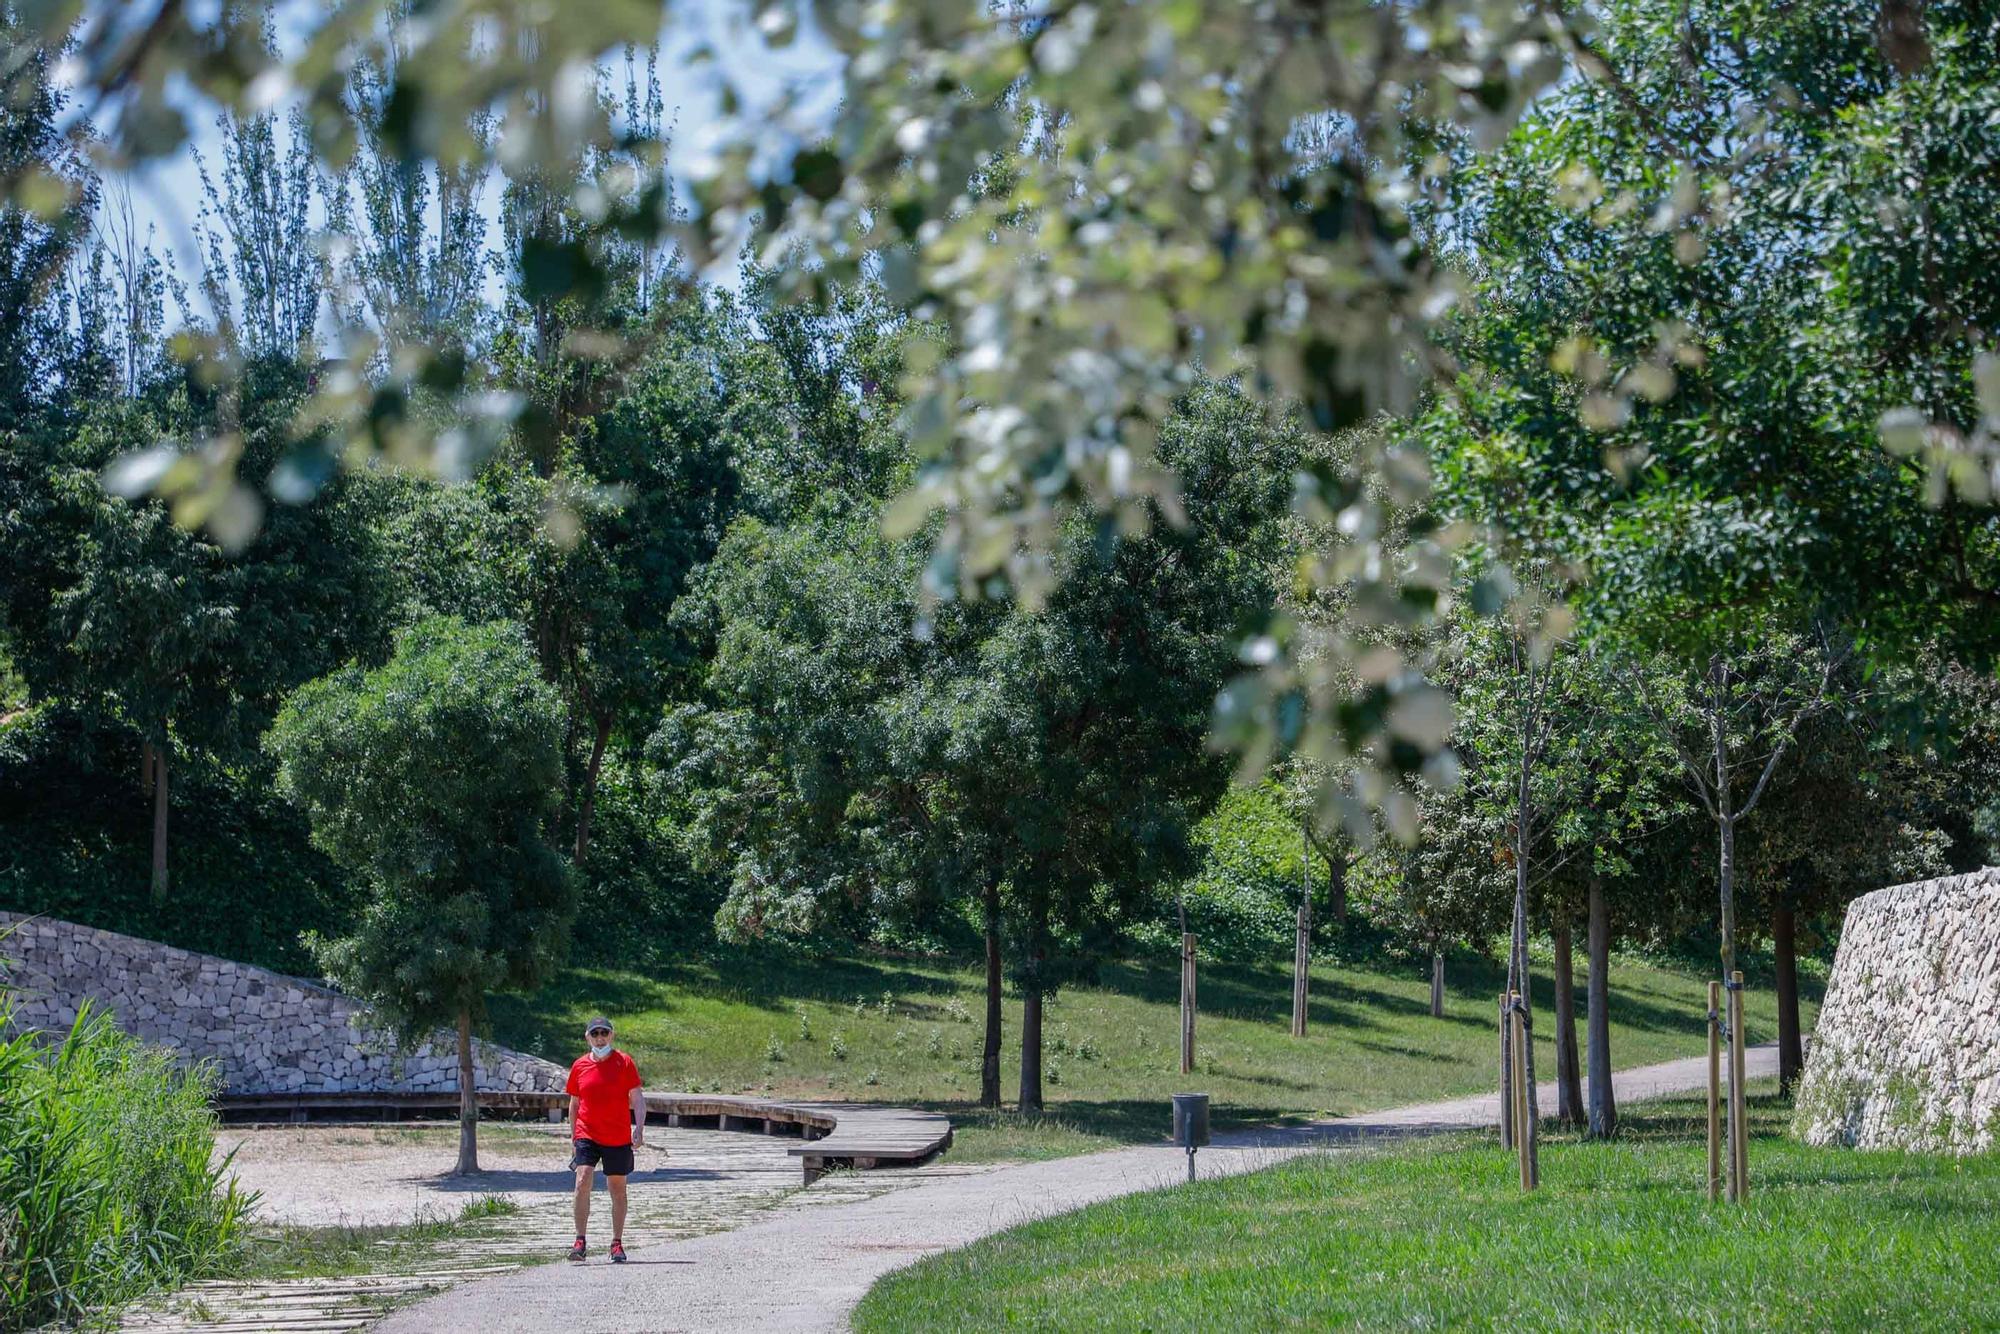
column 107, row 1188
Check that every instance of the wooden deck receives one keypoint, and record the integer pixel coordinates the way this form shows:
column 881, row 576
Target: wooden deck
column 866, row 1135
column 834, row 1134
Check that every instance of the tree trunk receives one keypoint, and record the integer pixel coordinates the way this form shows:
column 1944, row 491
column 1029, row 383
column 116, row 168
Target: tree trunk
column 1726, row 826
column 146, row 768
column 589, row 804
column 159, row 825
column 1569, row 1079
column 1603, row 1106
column 989, row 1060
column 1791, row 1047
column 1337, row 879
column 1530, row 1129
column 468, row 1100
column 1031, row 1008
column 1302, row 937
column 1437, row 984
column 1725, row 814
column 1031, row 1048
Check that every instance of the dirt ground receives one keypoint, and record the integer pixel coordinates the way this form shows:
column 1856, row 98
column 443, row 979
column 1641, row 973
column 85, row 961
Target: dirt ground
column 353, row 1175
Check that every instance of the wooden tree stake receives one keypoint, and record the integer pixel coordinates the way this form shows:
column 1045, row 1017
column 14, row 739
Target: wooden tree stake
column 1187, row 1004
column 1739, row 1125
column 1506, row 1073
column 1519, row 1028
column 1714, row 1091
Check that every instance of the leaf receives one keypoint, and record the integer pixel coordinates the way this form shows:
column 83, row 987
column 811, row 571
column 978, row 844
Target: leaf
column 1903, row 431
column 1986, row 383
column 137, row 474
column 818, row 172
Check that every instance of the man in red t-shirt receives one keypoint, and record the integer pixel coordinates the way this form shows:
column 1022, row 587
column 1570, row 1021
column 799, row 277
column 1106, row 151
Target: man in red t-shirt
column 607, row 1120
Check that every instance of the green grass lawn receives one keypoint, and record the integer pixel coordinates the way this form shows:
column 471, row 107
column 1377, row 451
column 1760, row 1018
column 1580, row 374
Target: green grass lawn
column 907, row 1031
column 1438, row 1235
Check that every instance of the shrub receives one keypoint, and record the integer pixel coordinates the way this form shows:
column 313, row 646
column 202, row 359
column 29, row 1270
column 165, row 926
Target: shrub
column 638, row 899
column 1243, row 900
column 838, row 1047
column 774, row 1050
column 75, row 843
column 805, row 1023
column 106, row 1189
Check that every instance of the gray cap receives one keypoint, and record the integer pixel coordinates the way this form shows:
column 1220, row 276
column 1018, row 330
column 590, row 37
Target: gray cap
column 596, row 1021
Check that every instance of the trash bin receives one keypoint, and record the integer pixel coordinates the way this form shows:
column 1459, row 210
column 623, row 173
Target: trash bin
column 1191, row 1120
column 1190, row 1124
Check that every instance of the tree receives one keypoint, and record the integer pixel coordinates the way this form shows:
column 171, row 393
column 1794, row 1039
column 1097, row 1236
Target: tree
column 1883, row 792
column 1731, row 721
column 435, row 777
column 858, row 756
column 975, row 160
column 146, row 627
column 1664, row 381
column 1445, row 891
column 1616, row 794
column 652, row 483
column 261, row 269
column 44, row 212
column 412, row 257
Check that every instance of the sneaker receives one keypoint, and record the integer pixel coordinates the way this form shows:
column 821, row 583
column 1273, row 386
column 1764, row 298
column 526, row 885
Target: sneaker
column 576, row 1251
column 617, row 1251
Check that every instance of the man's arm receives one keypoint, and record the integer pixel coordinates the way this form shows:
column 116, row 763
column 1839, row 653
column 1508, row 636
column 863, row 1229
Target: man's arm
column 572, row 1116
column 638, row 1116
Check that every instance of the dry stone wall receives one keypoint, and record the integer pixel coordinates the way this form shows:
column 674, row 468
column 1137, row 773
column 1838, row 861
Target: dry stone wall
column 1906, row 1052
column 265, row 1032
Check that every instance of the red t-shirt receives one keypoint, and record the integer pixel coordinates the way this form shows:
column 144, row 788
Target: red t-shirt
column 603, row 1093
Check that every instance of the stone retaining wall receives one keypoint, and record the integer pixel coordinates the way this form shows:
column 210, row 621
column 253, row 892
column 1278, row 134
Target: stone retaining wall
column 1906, row 1052
column 265, row 1032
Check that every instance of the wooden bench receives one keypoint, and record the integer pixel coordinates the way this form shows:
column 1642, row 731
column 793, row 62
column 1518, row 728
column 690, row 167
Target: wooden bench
column 835, row 1134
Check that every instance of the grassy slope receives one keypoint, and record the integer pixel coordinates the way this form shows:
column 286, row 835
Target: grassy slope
column 1112, row 1056
column 1438, row 1235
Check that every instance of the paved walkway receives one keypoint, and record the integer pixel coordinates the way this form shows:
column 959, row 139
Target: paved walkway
column 806, row 1269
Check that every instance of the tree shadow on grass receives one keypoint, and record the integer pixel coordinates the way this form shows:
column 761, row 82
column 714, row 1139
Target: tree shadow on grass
column 770, row 980
column 1410, row 1053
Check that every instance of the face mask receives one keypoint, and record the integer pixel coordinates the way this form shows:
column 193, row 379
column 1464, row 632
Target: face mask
column 599, row 1053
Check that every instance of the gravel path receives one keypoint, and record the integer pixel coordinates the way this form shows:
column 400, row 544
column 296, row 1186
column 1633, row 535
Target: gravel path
column 805, row 1269
column 687, row 1182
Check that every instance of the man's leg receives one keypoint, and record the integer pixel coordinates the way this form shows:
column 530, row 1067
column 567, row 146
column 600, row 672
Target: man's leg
column 584, row 1176
column 617, row 1187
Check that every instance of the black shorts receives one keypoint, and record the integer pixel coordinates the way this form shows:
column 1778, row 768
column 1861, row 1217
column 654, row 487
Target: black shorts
column 615, row 1159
